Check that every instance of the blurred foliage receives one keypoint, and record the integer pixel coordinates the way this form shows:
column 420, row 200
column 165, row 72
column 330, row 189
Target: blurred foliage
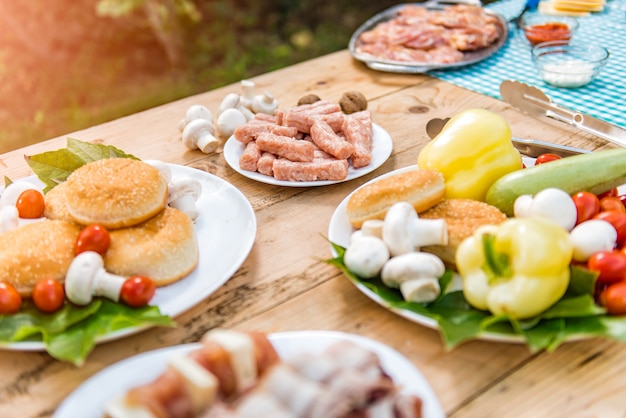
column 70, row 64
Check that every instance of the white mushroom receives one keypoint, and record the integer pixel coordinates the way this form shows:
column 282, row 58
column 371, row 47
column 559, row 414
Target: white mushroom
column 163, row 168
column 9, row 218
column 195, row 112
column 86, row 278
column 366, row 256
column 183, row 195
column 264, row 103
column 229, row 120
column 230, row 101
column 247, row 93
column 13, row 191
column 416, row 274
column 592, row 236
column 246, row 112
column 404, row 231
column 199, row 134
column 370, row 228
column 551, row 203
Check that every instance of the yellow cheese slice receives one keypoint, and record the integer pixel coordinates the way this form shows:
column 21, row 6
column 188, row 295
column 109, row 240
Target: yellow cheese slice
column 548, row 8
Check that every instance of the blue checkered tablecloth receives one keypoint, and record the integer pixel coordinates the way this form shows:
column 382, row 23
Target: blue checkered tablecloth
column 604, row 98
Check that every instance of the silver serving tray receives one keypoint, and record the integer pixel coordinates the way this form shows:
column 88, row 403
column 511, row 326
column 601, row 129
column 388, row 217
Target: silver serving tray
column 471, row 57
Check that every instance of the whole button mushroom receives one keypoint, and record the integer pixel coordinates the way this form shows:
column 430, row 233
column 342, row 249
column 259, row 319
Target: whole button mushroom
column 366, row 256
column 229, row 120
column 86, row 278
column 9, row 218
column 199, row 134
column 264, row 103
column 183, row 195
column 404, row 231
column 194, row 112
column 416, row 274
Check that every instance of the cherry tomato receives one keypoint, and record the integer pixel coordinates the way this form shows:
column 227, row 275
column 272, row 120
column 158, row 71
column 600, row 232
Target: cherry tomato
column 48, row 295
column 10, row 299
column 137, row 291
column 30, row 204
column 546, row 158
column 618, row 220
column 93, row 238
column 587, row 206
column 612, row 192
column 611, row 266
column 612, row 203
column 613, row 298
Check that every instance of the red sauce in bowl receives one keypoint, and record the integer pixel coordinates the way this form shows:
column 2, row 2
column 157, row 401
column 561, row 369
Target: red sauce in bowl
column 551, row 31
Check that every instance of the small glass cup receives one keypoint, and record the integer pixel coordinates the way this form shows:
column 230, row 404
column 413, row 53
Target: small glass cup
column 569, row 64
column 540, row 28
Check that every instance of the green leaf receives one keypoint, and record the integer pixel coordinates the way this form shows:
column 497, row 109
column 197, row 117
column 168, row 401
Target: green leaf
column 575, row 315
column 70, row 334
column 53, row 167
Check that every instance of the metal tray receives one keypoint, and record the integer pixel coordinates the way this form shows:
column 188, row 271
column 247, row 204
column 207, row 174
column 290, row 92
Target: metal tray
column 420, row 67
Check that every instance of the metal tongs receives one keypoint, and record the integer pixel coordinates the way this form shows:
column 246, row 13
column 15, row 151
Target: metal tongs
column 535, row 103
column 529, row 147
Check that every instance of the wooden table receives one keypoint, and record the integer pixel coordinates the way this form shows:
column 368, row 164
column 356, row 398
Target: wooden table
column 283, row 285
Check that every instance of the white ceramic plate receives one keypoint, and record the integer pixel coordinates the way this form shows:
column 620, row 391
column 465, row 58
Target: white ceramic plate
column 339, row 232
column 91, row 397
column 226, row 230
column 381, row 150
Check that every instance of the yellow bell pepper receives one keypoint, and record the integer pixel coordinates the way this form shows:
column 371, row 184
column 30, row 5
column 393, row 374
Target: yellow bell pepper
column 472, row 151
column 519, row 267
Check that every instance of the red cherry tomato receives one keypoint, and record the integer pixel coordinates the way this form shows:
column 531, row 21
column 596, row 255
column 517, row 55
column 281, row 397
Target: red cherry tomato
column 612, row 203
column 587, row 206
column 618, row 220
column 10, row 299
column 93, row 238
column 613, row 298
column 30, row 204
column 622, row 199
column 137, row 291
column 48, row 295
column 546, row 158
column 612, row 192
column 611, row 266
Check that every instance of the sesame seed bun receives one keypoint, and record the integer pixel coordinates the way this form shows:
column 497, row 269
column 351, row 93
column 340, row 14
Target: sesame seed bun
column 115, row 192
column 56, row 205
column 35, row 251
column 422, row 188
column 163, row 248
column 463, row 217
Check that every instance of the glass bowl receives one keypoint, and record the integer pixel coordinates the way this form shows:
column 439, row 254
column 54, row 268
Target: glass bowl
column 569, row 64
column 540, row 28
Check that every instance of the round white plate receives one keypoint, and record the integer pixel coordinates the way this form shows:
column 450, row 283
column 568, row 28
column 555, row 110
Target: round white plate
column 91, row 397
column 382, row 145
column 339, row 232
column 226, row 230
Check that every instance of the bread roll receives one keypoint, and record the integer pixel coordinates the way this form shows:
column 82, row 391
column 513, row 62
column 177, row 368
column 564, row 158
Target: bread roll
column 115, row 192
column 35, row 251
column 56, row 205
column 463, row 217
column 422, row 188
column 163, row 248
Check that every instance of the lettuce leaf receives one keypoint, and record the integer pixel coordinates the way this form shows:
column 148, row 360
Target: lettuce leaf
column 71, row 333
column 574, row 316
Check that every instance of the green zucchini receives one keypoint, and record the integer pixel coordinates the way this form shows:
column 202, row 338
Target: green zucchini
column 596, row 172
